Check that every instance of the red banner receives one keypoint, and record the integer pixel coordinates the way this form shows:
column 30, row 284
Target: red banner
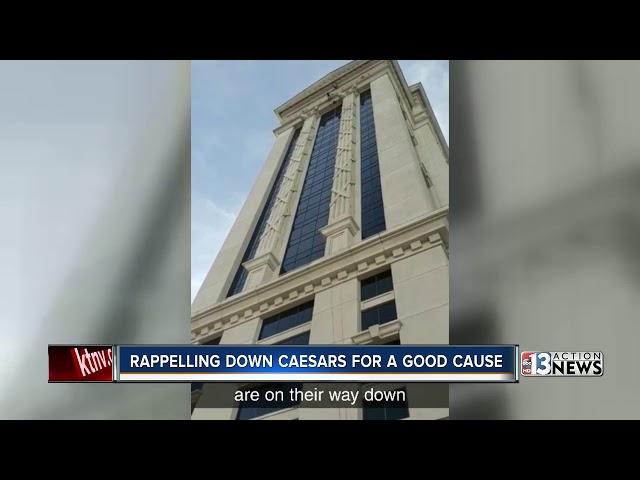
column 81, row 363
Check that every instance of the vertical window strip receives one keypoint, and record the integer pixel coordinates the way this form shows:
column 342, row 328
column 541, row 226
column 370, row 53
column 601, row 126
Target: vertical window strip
column 241, row 275
column 306, row 243
column 371, row 189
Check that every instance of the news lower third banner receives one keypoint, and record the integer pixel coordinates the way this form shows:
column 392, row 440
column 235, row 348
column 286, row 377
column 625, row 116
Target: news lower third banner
column 259, row 363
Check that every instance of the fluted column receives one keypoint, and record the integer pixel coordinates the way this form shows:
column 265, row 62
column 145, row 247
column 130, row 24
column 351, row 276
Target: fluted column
column 342, row 227
column 265, row 265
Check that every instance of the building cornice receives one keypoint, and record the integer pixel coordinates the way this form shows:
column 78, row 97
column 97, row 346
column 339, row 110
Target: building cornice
column 321, row 92
column 383, row 249
column 316, row 87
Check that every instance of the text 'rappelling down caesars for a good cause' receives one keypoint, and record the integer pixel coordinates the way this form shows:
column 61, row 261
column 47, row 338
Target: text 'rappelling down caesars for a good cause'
column 318, row 363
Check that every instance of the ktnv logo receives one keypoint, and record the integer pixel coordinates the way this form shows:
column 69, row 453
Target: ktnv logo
column 81, row 363
column 562, row 364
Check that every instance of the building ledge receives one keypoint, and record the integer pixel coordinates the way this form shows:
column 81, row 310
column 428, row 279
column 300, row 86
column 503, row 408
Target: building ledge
column 377, row 333
column 376, row 252
column 377, row 300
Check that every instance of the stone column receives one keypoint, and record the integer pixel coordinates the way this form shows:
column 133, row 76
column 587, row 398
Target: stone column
column 342, row 227
column 265, row 265
column 336, row 314
column 404, row 191
column 421, row 286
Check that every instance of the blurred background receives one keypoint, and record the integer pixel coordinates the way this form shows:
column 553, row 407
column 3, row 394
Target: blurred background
column 545, row 177
column 94, row 243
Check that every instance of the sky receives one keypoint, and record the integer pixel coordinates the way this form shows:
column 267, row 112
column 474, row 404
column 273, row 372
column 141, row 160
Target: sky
column 232, row 124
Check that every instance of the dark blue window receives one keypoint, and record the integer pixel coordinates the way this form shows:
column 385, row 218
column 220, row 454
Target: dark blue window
column 241, row 275
column 376, row 285
column 286, row 320
column 306, row 243
column 197, row 387
column 386, row 410
column 383, row 313
column 372, row 206
column 248, row 410
column 302, row 339
column 196, row 393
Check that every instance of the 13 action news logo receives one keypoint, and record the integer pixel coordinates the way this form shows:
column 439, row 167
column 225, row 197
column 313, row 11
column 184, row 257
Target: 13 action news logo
column 561, row 364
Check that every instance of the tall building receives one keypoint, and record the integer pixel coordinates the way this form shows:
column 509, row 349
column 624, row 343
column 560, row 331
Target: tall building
column 343, row 238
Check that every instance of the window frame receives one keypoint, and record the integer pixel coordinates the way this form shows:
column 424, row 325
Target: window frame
column 378, row 308
column 377, row 276
column 257, row 386
column 289, row 332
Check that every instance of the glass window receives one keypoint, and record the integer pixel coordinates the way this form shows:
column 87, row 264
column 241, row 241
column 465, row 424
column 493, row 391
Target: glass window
column 241, row 275
column 386, row 410
column 249, row 410
column 313, row 207
column 196, row 393
column 301, row 339
column 378, row 315
column 376, row 285
column 387, row 312
column 369, row 317
column 286, row 320
column 372, row 207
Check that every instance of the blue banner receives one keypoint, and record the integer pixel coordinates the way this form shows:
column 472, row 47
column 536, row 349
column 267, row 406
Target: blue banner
column 317, row 363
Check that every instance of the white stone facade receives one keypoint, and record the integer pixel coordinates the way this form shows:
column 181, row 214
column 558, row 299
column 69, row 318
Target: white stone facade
column 413, row 163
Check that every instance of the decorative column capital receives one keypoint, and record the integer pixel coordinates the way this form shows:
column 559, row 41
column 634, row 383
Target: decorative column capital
column 340, row 235
column 346, row 91
column 309, row 113
column 266, row 259
column 347, row 223
column 260, row 269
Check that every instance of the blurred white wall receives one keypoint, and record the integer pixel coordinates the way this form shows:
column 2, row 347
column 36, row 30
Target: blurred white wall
column 544, row 251
column 94, row 239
